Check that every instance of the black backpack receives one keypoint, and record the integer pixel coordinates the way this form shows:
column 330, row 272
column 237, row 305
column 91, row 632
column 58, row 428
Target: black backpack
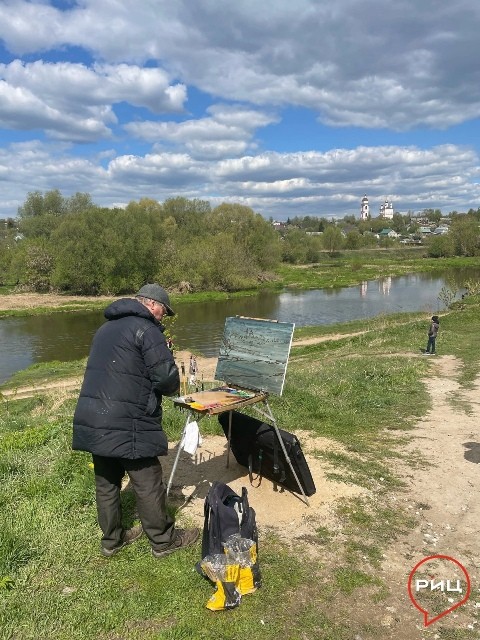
column 226, row 513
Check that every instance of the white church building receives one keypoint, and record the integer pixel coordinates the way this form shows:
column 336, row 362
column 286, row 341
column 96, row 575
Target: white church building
column 386, row 209
column 365, row 209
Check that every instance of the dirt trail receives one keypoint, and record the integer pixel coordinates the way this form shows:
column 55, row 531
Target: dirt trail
column 442, row 495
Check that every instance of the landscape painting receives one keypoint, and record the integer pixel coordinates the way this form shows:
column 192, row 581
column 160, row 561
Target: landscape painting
column 254, row 353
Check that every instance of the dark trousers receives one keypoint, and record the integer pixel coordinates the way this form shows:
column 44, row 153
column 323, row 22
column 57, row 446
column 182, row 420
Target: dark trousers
column 430, row 344
column 147, row 484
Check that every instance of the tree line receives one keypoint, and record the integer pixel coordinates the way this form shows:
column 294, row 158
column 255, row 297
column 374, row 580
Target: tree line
column 69, row 244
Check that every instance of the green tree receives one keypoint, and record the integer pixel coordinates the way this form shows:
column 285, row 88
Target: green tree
column 259, row 240
column 32, row 265
column 353, row 240
column 39, row 226
column 314, row 248
column 33, row 205
column 465, row 234
column 432, row 215
column 399, row 223
column 440, row 246
column 42, row 213
column 137, row 236
column 189, row 215
column 54, row 203
column 294, row 247
column 78, row 203
column 84, row 256
column 7, row 252
column 333, row 239
column 37, row 204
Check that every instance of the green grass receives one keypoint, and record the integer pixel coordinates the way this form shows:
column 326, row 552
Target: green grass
column 363, row 393
column 351, row 268
column 45, row 372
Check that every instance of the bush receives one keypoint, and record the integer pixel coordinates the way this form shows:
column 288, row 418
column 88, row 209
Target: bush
column 440, row 247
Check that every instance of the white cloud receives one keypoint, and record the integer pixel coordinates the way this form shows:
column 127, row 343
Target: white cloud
column 72, row 101
column 373, row 63
column 227, row 132
column 118, row 70
column 281, row 185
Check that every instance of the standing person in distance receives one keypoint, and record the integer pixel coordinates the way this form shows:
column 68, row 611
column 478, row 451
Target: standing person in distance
column 432, row 335
column 118, row 419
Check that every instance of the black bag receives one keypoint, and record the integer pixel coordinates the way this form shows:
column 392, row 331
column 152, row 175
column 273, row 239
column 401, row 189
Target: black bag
column 255, row 445
column 226, row 513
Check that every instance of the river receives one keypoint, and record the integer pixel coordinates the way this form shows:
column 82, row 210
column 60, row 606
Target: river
column 199, row 326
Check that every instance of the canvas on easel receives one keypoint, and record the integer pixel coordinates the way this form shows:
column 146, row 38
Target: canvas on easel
column 254, row 353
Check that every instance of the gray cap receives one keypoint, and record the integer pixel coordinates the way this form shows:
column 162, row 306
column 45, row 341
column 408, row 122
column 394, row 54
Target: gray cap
column 156, row 292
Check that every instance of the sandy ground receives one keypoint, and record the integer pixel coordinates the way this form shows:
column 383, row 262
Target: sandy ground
column 288, row 514
column 441, row 494
column 31, row 300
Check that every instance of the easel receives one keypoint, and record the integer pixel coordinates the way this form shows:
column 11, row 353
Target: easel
column 253, row 360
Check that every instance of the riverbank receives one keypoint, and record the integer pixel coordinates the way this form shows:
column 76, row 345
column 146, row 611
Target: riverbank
column 33, row 301
column 344, row 270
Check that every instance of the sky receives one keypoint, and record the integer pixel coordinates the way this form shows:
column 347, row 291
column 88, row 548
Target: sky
column 290, row 107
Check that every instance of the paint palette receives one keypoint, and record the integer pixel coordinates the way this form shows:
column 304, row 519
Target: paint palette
column 218, row 400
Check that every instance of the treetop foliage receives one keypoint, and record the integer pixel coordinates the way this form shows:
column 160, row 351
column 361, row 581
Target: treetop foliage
column 71, row 245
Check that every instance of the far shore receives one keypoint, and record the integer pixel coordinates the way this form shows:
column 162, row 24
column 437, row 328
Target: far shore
column 13, row 301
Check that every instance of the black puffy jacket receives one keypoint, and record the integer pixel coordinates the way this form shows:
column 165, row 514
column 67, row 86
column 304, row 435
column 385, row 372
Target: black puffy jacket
column 119, row 411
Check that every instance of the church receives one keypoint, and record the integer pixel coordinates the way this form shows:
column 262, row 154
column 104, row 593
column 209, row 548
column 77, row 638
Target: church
column 386, row 209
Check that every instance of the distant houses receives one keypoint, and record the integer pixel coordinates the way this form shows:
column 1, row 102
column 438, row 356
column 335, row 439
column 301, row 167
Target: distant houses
column 388, row 233
column 411, row 229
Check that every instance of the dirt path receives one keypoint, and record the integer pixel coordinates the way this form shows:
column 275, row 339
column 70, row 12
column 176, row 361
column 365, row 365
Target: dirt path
column 13, row 301
column 444, row 499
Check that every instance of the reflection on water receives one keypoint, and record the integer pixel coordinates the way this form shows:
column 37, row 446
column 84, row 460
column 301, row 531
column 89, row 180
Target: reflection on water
column 384, row 286
column 199, row 326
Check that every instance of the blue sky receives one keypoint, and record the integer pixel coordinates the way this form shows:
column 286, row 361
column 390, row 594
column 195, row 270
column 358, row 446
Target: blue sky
column 292, row 108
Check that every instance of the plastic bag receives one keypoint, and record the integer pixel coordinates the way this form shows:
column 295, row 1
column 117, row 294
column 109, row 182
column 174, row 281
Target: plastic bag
column 220, row 569
column 243, row 552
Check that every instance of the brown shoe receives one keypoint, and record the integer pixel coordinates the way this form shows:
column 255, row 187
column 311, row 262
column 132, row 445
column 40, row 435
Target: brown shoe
column 182, row 538
column 129, row 536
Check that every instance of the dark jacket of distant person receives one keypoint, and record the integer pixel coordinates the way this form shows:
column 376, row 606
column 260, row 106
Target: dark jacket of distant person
column 130, row 367
column 434, row 327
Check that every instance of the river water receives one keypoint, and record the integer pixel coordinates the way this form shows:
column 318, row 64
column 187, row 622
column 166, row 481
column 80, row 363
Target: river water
column 199, row 326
